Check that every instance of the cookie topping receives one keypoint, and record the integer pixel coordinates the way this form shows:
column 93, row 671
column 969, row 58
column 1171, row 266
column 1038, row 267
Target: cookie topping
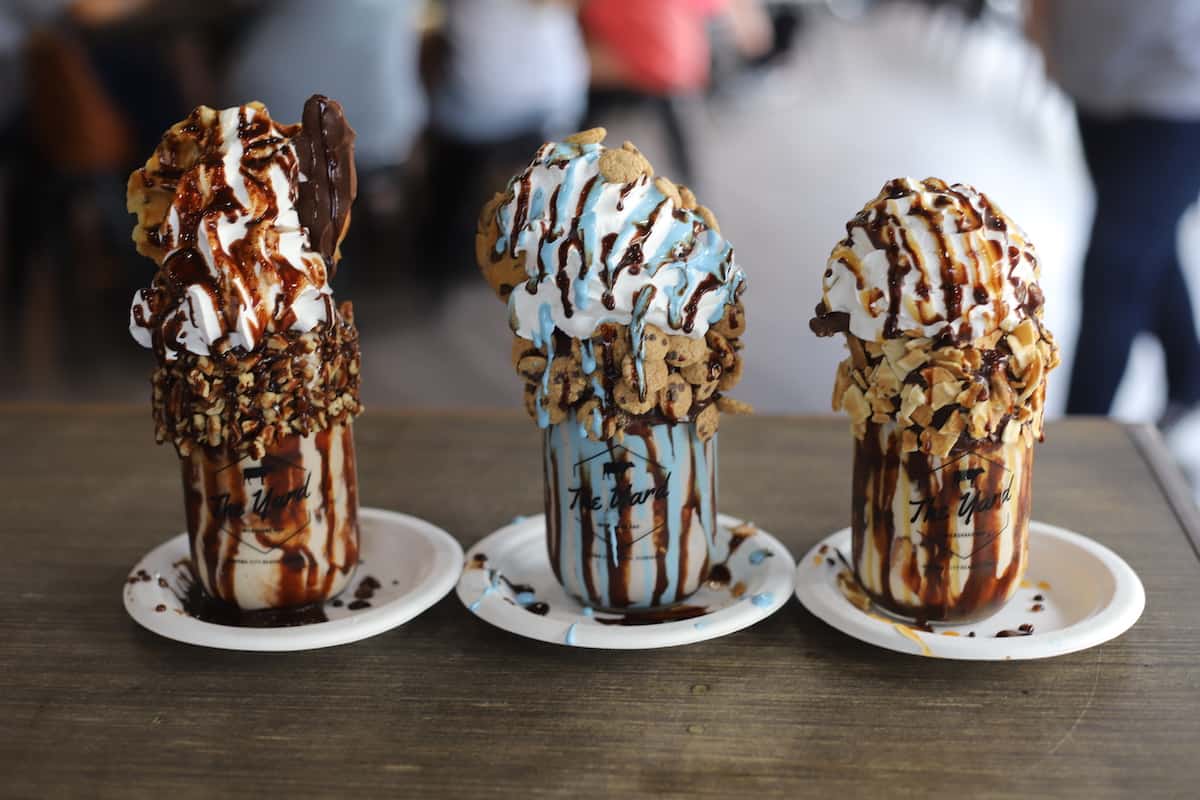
column 623, row 296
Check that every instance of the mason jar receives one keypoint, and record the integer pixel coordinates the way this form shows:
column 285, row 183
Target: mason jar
column 940, row 538
column 631, row 522
column 278, row 531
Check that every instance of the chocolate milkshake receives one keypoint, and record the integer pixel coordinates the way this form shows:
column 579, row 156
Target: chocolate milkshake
column 936, row 291
column 257, row 369
column 624, row 303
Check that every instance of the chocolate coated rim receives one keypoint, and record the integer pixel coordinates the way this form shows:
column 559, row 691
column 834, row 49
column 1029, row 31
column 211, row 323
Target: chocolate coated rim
column 1117, row 615
column 439, row 581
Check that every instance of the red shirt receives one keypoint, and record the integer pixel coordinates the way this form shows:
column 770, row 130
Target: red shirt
column 663, row 43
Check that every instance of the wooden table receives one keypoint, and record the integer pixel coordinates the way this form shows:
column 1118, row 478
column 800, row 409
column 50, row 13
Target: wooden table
column 91, row 705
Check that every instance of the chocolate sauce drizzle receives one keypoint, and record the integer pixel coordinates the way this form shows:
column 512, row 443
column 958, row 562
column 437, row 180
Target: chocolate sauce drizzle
column 190, row 165
column 968, row 211
column 926, row 568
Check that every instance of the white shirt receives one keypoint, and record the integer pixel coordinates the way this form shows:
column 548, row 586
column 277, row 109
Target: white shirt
column 515, row 67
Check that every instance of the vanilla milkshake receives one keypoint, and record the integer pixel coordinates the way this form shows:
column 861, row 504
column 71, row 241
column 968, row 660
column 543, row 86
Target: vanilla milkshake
column 257, row 368
column 936, row 291
column 624, row 302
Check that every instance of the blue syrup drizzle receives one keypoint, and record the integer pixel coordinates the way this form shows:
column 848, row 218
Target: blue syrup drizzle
column 491, row 587
column 570, row 637
column 763, row 599
column 518, row 518
column 537, row 203
column 588, row 611
column 587, row 357
column 637, row 334
column 700, row 257
column 602, row 396
column 525, row 598
column 544, row 338
column 758, row 556
column 678, row 451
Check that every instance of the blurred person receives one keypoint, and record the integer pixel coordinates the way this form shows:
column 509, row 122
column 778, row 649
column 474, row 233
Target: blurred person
column 664, row 47
column 19, row 20
column 363, row 52
column 512, row 68
column 366, row 53
column 1133, row 70
column 72, row 141
column 511, row 74
column 661, row 54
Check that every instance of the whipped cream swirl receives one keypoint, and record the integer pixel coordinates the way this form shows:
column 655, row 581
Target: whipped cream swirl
column 598, row 252
column 928, row 259
column 237, row 263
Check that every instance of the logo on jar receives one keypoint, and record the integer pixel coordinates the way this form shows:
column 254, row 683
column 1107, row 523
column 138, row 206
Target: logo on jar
column 620, row 475
column 951, row 512
column 623, row 475
column 269, row 503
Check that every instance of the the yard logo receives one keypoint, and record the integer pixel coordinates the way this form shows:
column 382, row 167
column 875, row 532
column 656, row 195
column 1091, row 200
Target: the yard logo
column 961, row 518
column 627, row 479
column 265, row 518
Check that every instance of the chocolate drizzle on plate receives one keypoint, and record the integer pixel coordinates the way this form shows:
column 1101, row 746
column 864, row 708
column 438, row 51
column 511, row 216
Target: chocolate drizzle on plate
column 195, row 603
column 1022, row 630
column 364, row 593
column 655, row 616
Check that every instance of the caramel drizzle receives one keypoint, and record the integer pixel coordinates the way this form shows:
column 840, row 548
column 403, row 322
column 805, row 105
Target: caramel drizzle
column 889, row 234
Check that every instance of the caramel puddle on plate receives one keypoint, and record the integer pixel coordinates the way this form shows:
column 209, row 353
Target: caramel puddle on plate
column 858, row 598
column 909, row 633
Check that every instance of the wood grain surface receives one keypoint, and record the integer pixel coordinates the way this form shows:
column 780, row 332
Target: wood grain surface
column 91, row 705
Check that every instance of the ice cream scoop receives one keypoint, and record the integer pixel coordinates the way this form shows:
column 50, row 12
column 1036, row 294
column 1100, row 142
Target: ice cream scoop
column 587, row 244
column 220, row 207
column 925, row 259
column 595, row 250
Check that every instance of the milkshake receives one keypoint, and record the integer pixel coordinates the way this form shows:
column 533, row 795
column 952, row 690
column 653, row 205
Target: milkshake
column 256, row 382
column 624, row 302
column 936, row 291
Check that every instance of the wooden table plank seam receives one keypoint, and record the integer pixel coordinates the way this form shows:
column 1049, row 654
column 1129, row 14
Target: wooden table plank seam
column 1171, row 480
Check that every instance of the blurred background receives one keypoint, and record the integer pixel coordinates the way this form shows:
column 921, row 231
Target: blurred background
column 784, row 116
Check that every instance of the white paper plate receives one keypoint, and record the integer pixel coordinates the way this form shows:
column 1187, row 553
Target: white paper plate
column 415, row 564
column 1088, row 596
column 515, row 556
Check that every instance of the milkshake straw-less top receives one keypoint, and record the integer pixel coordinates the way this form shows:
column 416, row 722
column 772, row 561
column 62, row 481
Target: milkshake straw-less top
column 623, row 297
column 248, row 239
column 936, row 290
column 925, row 258
column 597, row 251
column 244, row 217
